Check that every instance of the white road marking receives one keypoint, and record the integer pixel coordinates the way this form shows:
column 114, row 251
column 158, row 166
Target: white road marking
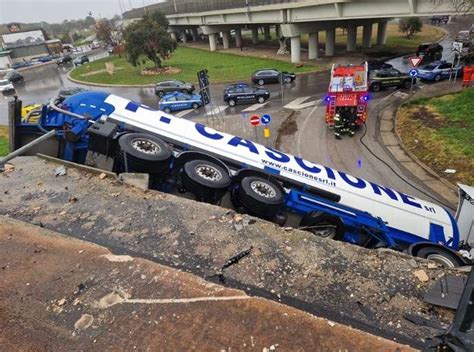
column 255, row 107
column 303, row 127
column 183, row 112
column 299, row 103
column 217, row 110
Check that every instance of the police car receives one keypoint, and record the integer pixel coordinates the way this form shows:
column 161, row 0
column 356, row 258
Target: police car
column 437, row 71
column 180, row 101
column 244, row 94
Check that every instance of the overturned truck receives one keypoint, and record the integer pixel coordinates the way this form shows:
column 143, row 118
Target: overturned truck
column 188, row 157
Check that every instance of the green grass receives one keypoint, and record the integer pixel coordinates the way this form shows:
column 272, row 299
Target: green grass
column 223, row 67
column 457, row 109
column 3, row 141
column 440, row 132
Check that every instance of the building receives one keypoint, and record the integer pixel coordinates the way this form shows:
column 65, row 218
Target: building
column 22, row 42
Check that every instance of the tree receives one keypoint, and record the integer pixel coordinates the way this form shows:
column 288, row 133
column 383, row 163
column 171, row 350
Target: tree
column 410, row 26
column 109, row 32
column 149, row 38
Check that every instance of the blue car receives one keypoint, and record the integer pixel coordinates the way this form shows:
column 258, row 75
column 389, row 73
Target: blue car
column 437, row 71
column 180, row 101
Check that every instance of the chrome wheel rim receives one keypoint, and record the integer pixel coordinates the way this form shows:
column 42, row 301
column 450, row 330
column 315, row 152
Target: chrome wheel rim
column 441, row 259
column 145, row 146
column 263, row 189
column 208, row 172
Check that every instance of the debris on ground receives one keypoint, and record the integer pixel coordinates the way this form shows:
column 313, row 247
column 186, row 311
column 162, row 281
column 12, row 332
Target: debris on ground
column 60, row 171
column 421, row 275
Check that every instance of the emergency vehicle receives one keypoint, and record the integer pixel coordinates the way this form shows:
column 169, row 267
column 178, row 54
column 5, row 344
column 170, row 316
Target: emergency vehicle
column 210, row 165
column 348, row 88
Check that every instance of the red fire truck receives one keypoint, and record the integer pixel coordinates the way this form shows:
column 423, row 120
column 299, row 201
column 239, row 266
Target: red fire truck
column 348, row 90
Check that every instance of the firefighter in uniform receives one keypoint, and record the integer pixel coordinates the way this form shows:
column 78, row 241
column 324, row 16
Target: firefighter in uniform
column 338, row 126
column 351, row 123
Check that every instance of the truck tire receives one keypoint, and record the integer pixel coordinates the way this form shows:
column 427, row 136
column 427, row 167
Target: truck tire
column 260, row 197
column 323, row 225
column 231, row 102
column 143, row 153
column 261, row 82
column 376, row 87
column 446, row 259
column 407, row 84
column 207, row 180
column 260, row 100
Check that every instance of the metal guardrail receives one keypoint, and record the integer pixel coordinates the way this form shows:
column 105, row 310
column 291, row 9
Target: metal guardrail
column 171, row 7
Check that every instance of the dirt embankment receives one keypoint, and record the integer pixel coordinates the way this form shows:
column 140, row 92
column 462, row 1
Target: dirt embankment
column 62, row 294
column 370, row 290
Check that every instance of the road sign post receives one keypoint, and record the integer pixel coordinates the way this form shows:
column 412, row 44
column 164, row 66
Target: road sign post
column 413, row 73
column 255, row 121
column 265, row 120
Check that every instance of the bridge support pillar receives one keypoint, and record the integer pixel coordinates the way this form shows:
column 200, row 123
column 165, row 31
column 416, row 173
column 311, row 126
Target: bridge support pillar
column 226, row 40
column 194, row 33
column 351, row 37
column 184, row 36
column 367, row 36
column 266, row 31
column 382, row 33
column 255, row 35
column 295, row 49
column 212, row 42
column 313, row 44
column 330, row 41
column 173, row 36
column 238, row 38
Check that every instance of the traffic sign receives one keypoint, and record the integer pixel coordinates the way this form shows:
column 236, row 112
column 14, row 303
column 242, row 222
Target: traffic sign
column 415, row 60
column 255, row 120
column 413, row 72
column 457, row 46
column 265, row 119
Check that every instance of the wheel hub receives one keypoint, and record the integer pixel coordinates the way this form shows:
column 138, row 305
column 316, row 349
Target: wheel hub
column 263, row 189
column 208, row 172
column 145, row 146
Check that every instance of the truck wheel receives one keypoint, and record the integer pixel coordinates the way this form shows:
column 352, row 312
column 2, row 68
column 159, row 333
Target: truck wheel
column 407, row 84
column 207, row 180
column 376, row 87
column 261, row 82
column 144, row 153
column 439, row 256
column 323, row 225
column 231, row 102
column 260, row 100
column 260, row 196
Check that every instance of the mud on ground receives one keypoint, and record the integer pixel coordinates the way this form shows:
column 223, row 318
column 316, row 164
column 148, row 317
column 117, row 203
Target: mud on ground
column 371, row 290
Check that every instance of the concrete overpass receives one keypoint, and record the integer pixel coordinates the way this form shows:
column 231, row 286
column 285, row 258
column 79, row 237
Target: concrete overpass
column 294, row 18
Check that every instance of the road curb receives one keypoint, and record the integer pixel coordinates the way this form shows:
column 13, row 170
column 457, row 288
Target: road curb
column 408, row 160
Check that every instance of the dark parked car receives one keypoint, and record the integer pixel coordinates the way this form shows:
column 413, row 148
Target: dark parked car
column 437, row 20
column 67, row 92
column 81, row 60
column 14, row 77
column 164, row 87
column 378, row 65
column 271, row 75
column 389, row 78
column 243, row 94
column 430, row 52
column 63, row 60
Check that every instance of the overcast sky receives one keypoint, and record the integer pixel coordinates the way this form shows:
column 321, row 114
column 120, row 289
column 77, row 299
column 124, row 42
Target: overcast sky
column 55, row 11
